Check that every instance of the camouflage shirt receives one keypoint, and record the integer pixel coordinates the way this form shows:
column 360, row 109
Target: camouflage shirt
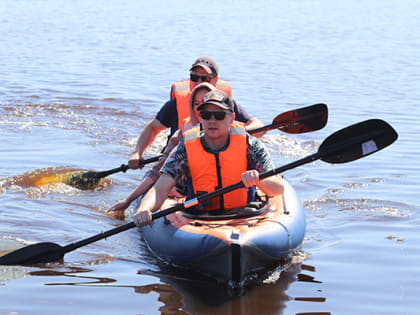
column 177, row 167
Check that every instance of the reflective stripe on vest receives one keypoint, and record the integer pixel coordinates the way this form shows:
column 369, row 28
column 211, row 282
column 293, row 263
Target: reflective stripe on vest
column 181, row 91
column 210, row 171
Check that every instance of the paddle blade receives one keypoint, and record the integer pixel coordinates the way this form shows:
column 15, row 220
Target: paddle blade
column 357, row 141
column 34, row 254
column 306, row 119
column 82, row 180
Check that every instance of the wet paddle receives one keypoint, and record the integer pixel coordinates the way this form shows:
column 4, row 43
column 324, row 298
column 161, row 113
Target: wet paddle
column 345, row 145
column 306, row 119
column 88, row 180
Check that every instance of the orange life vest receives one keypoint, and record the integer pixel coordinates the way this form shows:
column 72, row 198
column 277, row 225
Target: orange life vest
column 210, row 171
column 181, row 91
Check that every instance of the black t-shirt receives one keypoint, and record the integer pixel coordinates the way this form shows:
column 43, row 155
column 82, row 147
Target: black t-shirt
column 168, row 115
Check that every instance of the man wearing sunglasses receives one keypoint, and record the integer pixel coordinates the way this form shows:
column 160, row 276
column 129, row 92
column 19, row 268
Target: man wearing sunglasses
column 173, row 113
column 220, row 155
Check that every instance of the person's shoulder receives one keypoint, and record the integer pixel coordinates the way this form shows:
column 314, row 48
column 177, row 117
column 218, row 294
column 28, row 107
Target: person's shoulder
column 167, row 112
column 241, row 113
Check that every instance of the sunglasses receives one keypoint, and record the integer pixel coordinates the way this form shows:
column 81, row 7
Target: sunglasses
column 206, row 115
column 196, row 77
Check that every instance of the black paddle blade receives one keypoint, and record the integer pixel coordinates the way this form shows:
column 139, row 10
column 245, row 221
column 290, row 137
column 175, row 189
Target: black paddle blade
column 357, row 141
column 90, row 179
column 83, row 180
column 34, row 254
column 306, row 119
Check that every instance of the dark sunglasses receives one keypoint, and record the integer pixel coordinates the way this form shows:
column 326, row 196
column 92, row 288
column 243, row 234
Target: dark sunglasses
column 206, row 115
column 196, row 77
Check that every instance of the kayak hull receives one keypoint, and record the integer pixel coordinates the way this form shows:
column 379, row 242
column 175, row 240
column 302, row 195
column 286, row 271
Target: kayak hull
column 229, row 250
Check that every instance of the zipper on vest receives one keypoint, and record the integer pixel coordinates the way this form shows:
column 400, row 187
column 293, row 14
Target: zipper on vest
column 219, row 180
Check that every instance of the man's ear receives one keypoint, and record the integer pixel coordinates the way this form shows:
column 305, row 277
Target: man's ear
column 233, row 117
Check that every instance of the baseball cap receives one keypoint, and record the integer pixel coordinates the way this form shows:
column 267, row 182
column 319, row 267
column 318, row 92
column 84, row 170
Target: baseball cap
column 219, row 98
column 208, row 64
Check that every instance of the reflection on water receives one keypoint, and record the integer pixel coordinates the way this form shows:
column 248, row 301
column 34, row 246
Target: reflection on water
column 186, row 293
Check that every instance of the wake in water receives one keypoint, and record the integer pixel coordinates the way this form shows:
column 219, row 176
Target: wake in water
column 48, row 180
column 286, row 147
column 105, row 125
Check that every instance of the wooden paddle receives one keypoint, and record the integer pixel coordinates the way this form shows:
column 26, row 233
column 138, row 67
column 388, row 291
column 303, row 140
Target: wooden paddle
column 309, row 118
column 345, row 145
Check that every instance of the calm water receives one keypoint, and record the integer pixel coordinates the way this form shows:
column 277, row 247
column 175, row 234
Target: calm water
column 78, row 81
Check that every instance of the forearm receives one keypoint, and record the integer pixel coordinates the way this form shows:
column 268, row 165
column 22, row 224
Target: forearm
column 157, row 194
column 146, row 138
column 272, row 185
column 253, row 124
column 140, row 189
column 150, row 201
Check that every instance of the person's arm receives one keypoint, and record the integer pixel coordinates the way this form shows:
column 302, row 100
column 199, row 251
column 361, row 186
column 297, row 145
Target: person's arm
column 251, row 123
column 137, row 192
column 254, row 123
column 118, row 208
column 153, row 200
column 146, row 138
column 259, row 161
column 172, row 171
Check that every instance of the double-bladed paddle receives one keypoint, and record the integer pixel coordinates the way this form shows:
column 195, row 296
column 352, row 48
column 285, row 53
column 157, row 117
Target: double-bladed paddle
column 305, row 119
column 345, row 145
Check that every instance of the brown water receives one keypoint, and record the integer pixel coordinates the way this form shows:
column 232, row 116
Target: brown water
column 80, row 79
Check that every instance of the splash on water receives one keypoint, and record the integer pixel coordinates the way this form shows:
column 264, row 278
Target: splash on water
column 289, row 147
column 369, row 207
column 48, row 180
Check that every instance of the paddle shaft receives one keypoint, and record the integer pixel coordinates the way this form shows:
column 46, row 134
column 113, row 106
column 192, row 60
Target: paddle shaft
column 117, row 230
column 124, row 167
column 323, row 152
column 268, row 127
column 191, row 202
column 312, row 117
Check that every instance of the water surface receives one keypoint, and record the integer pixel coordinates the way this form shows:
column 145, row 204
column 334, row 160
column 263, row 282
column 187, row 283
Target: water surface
column 80, row 79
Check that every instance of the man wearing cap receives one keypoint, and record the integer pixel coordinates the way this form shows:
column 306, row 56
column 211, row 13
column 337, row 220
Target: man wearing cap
column 219, row 155
column 173, row 113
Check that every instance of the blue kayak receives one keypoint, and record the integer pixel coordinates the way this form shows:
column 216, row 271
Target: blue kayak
column 230, row 247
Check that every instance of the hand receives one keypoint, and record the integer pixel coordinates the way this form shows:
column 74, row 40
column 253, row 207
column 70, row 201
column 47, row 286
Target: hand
column 120, row 205
column 143, row 217
column 250, row 178
column 117, row 210
column 134, row 161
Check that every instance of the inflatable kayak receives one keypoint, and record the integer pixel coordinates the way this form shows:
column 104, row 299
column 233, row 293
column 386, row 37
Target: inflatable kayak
column 230, row 247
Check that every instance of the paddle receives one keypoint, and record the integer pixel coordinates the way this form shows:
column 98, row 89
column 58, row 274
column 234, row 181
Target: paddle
column 309, row 118
column 305, row 119
column 345, row 145
column 88, row 180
